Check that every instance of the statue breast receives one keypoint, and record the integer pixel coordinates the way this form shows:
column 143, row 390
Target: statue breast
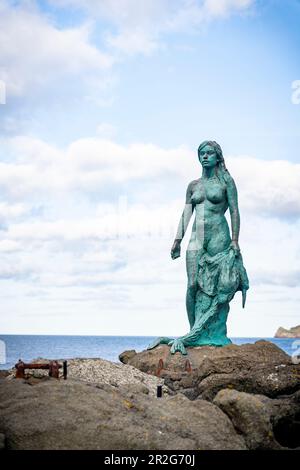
column 214, row 192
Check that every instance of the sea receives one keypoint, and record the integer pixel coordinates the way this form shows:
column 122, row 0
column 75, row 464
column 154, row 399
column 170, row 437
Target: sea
column 29, row 347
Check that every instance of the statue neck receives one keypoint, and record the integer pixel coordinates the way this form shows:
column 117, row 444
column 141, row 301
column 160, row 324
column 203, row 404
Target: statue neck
column 209, row 172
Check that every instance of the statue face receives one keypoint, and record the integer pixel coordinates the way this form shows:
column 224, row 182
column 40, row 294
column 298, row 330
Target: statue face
column 208, row 156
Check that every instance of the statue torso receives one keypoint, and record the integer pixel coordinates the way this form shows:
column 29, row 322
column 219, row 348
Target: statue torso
column 209, row 199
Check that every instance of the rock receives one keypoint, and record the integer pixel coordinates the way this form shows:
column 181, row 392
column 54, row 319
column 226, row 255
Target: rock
column 4, row 373
column 127, row 355
column 97, row 371
column 234, row 397
column 2, row 441
column 73, row 414
column 250, row 416
column 263, row 352
column 264, row 423
column 291, row 333
column 260, row 368
column 270, row 380
column 133, row 390
column 285, row 415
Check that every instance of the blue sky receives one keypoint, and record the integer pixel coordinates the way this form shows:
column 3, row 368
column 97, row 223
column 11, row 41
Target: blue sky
column 106, row 104
column 230, row 78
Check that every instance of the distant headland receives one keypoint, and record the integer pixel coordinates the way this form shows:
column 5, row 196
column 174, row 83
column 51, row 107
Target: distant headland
column 291, row 333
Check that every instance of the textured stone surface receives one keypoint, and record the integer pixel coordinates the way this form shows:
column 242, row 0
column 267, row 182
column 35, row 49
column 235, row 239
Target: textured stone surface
column 264, row 423
column 260, row 368
column 251, row 416
column 2, row 441
column 285, row 416
column 57, row 414
column 234, row 397
column 126, row 356
column 100, row 371
column 262, row 352
column 269, row 380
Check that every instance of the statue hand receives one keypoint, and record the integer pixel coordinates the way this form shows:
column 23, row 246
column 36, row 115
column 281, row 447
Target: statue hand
column 178, row 345
column 235, row 246
column 175, row 250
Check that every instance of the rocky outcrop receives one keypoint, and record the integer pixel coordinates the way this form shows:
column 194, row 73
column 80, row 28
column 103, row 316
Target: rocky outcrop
column 256, row 385
column 73, row 414
column 291, row 333
column 234, row 397
column 260, row 368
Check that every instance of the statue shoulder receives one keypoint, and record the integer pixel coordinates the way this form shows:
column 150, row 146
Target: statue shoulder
column 192, row 184
column 228, row 179
column 190, row 190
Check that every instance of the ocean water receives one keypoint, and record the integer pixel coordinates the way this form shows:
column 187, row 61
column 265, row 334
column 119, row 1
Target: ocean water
column 29, row 347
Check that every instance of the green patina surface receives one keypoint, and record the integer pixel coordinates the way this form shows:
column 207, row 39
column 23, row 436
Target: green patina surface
column 214, row 264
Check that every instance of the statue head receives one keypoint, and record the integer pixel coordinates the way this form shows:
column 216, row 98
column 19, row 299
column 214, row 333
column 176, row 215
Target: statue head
column 210, row 154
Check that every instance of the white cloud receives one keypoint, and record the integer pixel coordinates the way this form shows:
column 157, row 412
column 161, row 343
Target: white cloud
column 225, row 7
column 36, row 55
column 11, row 211
column 87, row 164
column 80, row 245
column 269, row 187
column 35, row 52
column 9, row 245
column 140, row 24
column 133, row 42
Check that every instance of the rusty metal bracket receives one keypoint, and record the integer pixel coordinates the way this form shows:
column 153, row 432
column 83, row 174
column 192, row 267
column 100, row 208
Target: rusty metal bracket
column 52, row 366
column 159, row 368
column 187, row 366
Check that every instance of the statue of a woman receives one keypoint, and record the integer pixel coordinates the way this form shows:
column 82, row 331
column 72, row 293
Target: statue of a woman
column 214, row 263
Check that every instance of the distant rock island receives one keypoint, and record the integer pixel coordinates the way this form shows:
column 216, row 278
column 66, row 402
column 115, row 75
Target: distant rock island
column 291, row 333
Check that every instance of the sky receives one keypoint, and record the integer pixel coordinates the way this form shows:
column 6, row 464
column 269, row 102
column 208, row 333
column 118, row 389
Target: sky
column 103, row 104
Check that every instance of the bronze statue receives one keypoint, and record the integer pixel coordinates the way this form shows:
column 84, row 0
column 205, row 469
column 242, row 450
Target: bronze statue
column 214, row 262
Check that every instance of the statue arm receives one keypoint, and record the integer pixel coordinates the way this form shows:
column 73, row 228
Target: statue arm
column 232, row 198
column 186, row 214
column 183, row 223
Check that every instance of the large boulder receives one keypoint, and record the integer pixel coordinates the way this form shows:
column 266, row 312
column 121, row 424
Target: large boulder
column 264, row 423
column 251, row 417
column 260, row 368
column 73, row 414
